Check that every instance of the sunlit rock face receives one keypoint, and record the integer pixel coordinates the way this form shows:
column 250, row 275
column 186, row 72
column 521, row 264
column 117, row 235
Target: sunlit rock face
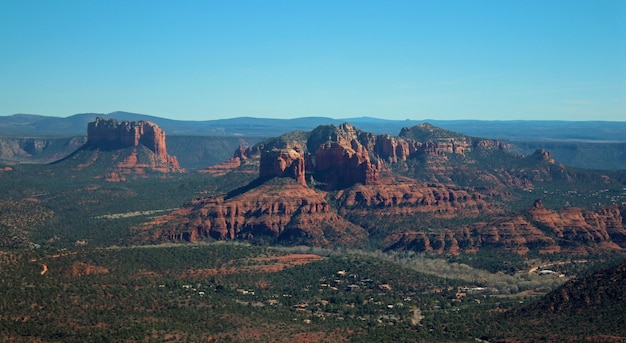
column 111, row 133
column 146, row 138
column 341, row 165
column 284, row 212
column 285, row 162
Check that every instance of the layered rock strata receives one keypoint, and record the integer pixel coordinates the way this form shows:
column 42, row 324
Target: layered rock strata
column 341, row 166
column 341, row 156
column 286, row 162
column 147, row 143
column 289, row 213
column 541, row 230
column 455, row 179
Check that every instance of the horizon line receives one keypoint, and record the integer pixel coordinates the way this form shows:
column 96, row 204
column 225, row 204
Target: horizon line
column 312, row 117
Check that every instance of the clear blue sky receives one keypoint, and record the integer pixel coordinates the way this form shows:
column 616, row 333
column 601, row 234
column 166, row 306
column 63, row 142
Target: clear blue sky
column 209, row 59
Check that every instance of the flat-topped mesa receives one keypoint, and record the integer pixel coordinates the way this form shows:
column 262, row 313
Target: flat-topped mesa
column 111, row 133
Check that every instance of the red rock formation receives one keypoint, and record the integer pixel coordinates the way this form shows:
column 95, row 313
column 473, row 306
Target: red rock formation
column 286, row 162
column 240, row 157
column 541, row 230
column 114, row 177
column 112, row 135
column 345, row 134
column 340, row 165
column 394, row 149
column 242, row 153
column 343, row 155
column 410, row 197
column 349, row 162
column 576, row 226
column 288, row 212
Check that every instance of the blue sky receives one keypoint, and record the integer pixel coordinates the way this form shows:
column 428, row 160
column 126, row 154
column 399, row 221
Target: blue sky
column 210, row 59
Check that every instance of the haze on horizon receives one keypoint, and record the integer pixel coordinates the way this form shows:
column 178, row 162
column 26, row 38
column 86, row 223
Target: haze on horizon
column 203, row 60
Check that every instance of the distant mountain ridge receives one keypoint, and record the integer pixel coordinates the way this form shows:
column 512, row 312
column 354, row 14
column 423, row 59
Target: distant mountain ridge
column 517, row 130
column 589, row 144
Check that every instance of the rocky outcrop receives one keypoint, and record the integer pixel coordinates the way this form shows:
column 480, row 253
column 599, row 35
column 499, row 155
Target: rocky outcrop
column 539, row 230
column 341, row 156
column 337, row 156
column 434, row 141
column 406, row 197
column 458, row 184
column 394, row 149
column 577, row 227
column 243, row 153
column 113, row 134
column 542, row 155
column 281, row 211
column 240, row 157
column 126, row 148
column 285, row 162
column 340, row 165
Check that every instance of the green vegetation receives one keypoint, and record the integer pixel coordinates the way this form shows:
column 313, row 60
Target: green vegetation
column 297, row 137
column 207, row 150
column 582, row 154
column 224, row 291
column 514, row 283
column 427, row 132
column 525, row 178
column 235, row 292
column 68, row 272
column 55, row 207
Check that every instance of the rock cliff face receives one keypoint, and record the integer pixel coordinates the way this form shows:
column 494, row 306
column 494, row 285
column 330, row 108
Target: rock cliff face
column 576, row 227
column 286, row 162
column 132, row 147
column 113, row 134
column 333, row 156
column 340, row 165
column 394, row 188
column 282, row 211
column 394, row 149
column 405, row 197
column 539, row 229
column 341, row 156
